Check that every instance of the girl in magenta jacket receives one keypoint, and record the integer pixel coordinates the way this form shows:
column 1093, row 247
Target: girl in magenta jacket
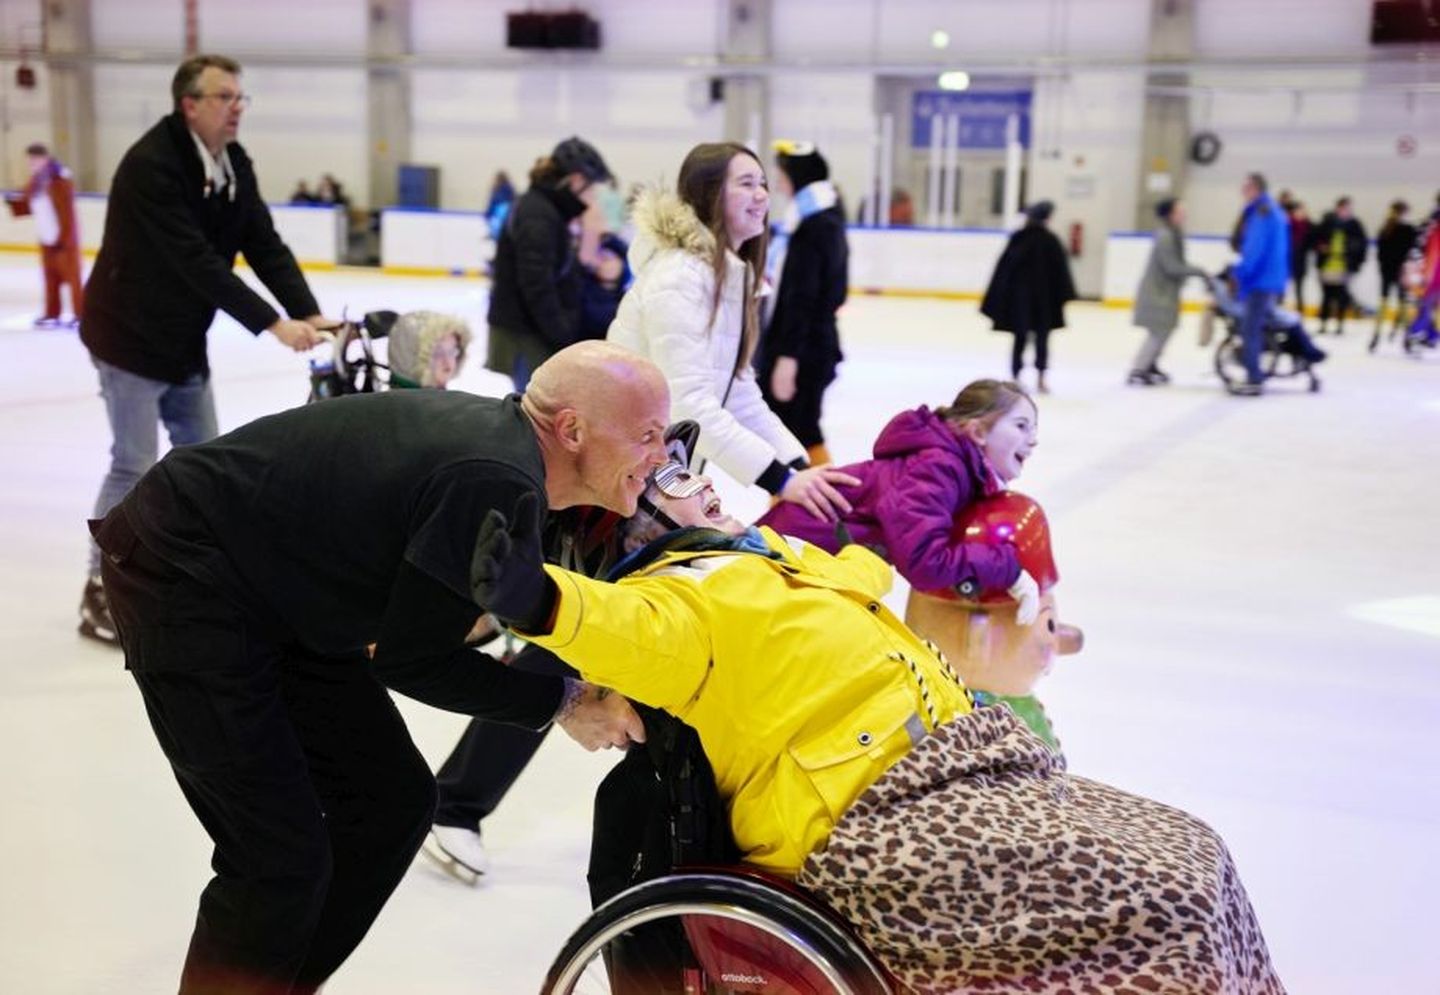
column 928, row 465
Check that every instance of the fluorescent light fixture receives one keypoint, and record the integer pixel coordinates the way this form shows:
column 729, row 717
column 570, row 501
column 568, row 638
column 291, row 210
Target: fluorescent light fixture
column 955, row 79
column 939, row 39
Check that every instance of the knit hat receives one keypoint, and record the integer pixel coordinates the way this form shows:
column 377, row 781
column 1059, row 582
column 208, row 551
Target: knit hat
column 1040, row 211
column 801, row 162
column 412, row 345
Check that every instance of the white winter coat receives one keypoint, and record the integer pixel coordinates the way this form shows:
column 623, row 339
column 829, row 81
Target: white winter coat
column 664, row 316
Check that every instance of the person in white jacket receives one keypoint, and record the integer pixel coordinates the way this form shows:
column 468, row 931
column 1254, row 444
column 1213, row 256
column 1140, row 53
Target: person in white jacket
column 698, row 255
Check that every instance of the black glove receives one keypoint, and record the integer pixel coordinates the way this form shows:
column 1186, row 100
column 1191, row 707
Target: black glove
column 507, row 577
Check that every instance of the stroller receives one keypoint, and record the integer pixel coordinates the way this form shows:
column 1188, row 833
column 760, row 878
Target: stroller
column 1287, row 350
column 351, row 367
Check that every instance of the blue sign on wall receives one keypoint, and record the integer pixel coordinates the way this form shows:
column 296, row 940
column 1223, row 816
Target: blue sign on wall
column 982, row 116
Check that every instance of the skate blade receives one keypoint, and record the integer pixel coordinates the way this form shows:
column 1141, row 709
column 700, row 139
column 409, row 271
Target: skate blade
column 99, row 635
column 450, row 865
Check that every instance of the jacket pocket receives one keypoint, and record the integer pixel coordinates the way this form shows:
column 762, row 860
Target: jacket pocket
column 847, row 758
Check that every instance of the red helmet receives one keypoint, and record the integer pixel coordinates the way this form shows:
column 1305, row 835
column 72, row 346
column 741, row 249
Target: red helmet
column 1007, row 517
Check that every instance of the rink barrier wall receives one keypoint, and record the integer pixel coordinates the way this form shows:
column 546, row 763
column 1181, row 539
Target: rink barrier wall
column 935, row 263
column 316, row 233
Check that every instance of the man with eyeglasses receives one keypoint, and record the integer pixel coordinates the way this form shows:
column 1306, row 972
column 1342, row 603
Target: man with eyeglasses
column 183, row 203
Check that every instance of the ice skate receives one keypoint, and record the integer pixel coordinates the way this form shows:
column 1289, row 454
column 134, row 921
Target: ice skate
column 459, row 852
column 95, row 620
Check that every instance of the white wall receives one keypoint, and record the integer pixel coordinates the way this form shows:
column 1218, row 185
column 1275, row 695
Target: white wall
column 836, row 111
column 1229, row 28
column 24, row 118
column 901, row 29
column 1321, row 133
column 1321, row 146
column 1086, row 129
column 316, row 235
column 305, row 120
column 472, row 123
column 24, row 114
column 1339, row 137
column 629, row 27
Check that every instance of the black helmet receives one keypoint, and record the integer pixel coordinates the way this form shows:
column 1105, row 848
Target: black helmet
column 680, row 440
column 575, row 155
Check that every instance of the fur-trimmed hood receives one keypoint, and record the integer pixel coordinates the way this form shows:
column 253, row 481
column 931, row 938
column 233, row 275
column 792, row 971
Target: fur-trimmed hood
column 412, row 345
column 664, row 222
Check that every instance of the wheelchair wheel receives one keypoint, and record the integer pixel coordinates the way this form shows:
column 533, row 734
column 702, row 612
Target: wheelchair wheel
column 713, row 933
column 1229, row 361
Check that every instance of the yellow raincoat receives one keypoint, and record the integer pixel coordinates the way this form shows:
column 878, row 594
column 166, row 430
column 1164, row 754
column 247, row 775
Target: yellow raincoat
column 803, row 687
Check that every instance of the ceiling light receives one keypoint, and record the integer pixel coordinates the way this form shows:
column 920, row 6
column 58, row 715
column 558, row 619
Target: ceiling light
column 955, row 79
column 939, row 39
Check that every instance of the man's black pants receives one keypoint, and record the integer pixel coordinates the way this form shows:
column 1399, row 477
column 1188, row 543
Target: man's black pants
column 299, row 767
column 491, row 755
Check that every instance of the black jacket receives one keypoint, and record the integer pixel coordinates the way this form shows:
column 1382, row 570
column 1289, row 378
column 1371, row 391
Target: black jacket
column 352, row 522
column 535, row 289
column 813, row 285
column 1356, row 247
column 1031, row 283
column 167, row 259
column 1392, row 246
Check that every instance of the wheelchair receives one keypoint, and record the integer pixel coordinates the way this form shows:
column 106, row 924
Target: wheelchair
column 1282, row 354
column 351, row 367
column 717, row 931
column 676, row 914
column 1277, row 360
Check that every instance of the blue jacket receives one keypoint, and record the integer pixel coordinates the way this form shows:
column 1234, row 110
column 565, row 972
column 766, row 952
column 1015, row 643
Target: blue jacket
column 1264, row 248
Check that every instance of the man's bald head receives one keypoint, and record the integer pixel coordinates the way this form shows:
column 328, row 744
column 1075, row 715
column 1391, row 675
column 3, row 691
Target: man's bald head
column 600, row 412
column 590, row 377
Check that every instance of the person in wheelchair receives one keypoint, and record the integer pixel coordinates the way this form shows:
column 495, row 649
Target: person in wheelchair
column 851, row 759
column 1284, row 329
column 427, row 349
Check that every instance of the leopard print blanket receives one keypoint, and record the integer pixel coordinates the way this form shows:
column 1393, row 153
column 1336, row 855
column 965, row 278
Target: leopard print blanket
column 977, row 864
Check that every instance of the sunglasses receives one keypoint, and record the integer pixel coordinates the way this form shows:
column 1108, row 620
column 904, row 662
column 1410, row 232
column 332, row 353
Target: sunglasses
column 674, row 480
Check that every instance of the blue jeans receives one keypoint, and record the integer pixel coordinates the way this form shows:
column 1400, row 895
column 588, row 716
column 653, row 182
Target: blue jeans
column 134, row 404
column 1259, row 306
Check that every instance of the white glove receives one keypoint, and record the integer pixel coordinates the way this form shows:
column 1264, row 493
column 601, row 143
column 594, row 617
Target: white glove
column 1027, row 598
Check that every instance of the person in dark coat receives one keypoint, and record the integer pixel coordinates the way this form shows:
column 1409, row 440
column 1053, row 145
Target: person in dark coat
column 1300, row 227
column 502, row 198
column 183, row 203
column 269, row 587
column 1029, row 290
column 1340, row 249
column 1392, row 247
column 603, row 285
column 535, row 285
column 809, row 263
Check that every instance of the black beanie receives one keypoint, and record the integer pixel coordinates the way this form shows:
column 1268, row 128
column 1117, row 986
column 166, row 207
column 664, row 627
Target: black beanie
column 1040, row 211
column 804, row 170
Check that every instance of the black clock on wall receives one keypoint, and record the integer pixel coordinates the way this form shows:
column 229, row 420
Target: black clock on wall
column 1205, row 147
